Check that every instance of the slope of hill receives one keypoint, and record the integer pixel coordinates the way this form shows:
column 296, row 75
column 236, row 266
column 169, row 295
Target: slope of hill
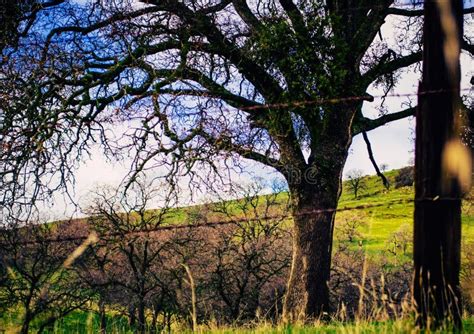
column 379, row 213
column 385, row 220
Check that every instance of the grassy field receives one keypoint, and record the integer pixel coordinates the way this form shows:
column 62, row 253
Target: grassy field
column 382, row 214
column 88, row 323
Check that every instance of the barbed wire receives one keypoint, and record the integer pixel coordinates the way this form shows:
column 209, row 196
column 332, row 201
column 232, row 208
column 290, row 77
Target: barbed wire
column 368, row 98
column 301, row 103
column 218, row 223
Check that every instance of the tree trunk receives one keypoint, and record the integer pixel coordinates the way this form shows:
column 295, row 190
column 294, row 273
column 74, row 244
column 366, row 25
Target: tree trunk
column 437, row 232
column 168, row 321
column 48, row 324
column 141, row 317
column 154, row 321
column 102, row 317
column 25, row 327
column 314, row 201
column 132, row 315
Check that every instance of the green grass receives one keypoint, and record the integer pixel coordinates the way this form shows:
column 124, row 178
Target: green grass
column 382, row 222
column 88, row 322
column 76, row 322
column 361, row 327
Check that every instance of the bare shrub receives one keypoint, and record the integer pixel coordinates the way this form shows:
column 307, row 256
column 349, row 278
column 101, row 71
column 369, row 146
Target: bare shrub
column 364, row 285
column 400, row 242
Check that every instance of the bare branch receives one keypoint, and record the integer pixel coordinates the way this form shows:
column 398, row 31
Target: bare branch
column 366, row 124
column 216, row 8
column 372, row 160
column 385, row 67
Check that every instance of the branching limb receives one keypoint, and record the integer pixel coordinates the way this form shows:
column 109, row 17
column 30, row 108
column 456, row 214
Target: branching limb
column 297, row 20
column 216, row 8
column 246, row 15
column 225, row 144
column 366, row 124
column 385, row 67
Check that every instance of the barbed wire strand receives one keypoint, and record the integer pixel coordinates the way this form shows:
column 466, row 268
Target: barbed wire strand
column 337, row 100
column 231, row 221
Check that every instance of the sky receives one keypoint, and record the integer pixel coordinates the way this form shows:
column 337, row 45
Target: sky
column 392, row 144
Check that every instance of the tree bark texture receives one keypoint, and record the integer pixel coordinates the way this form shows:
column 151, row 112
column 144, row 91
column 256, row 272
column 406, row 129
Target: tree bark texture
column 314, row 202
column 437, row 231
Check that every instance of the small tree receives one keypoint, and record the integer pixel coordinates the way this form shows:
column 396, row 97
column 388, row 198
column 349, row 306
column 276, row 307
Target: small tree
column 383, row 167
column 134, row 257
column 356, row 181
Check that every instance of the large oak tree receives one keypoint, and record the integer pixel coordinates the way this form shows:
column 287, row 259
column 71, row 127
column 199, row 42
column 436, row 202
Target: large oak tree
column 199, row 82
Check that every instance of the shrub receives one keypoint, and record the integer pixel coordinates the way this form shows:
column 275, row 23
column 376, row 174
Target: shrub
column 405, row 177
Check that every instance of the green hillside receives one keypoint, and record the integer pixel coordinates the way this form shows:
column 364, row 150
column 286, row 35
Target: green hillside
column 383, row 221
column 380, row 212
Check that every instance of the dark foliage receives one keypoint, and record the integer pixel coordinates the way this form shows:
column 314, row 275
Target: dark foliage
column 405, row 177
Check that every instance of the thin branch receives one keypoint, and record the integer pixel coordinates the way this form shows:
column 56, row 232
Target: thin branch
column 216, row 8
column 374, row 163
column 233, row 100
column 225, row 144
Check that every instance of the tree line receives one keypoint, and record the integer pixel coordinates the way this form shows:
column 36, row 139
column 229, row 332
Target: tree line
column 158, row 280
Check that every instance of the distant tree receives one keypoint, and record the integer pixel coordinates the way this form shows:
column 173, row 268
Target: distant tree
column 356, row 181
column 348, row 229
column 405, row 177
